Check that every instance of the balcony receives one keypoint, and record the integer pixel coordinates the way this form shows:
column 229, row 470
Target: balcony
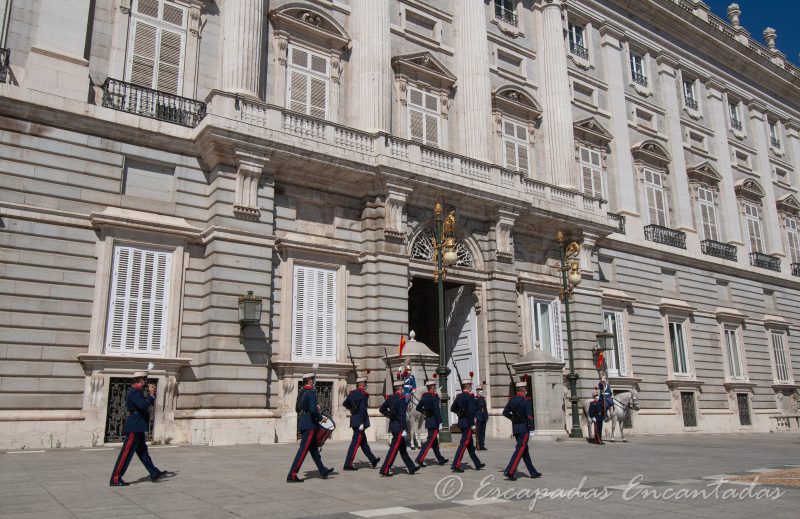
column 620, row 219
column 765, row 261
column 4, row 62
column 718, row 249
column 796, row 269
column 579, row 50
column 127, row 97
column 736, row 125
column 507, row 15
column 639, row 79
column 665, row 236
column 690, row 103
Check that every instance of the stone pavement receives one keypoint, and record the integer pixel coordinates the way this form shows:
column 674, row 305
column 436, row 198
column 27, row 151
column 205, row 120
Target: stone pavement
column 249, row 481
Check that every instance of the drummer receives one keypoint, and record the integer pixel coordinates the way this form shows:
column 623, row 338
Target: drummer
column 308, row 418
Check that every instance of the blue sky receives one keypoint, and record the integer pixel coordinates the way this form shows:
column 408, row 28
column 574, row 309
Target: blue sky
column 781, row 15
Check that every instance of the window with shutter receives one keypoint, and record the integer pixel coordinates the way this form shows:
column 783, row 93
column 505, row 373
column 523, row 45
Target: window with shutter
column 423, row 117
column 780, row 356
column 677, row 341
column 308, row 82
column 591, row 172
column 314, row 314
column 156, row 46
column 752, row 215
column 616, row 358
column 546, row 326
column 137, row 310
column 708, row 214
column 793, row 237
column 734, row 353
column 515, row 146
column 656, row 199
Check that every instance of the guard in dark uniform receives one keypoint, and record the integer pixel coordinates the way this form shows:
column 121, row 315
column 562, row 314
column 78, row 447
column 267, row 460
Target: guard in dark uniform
column 137, row 402
column 606, row 397
column 597, row 415
column 520, row 411
column 308, row 420
column 464, row 406
column 430, row 407
column 356, row 403
column 394, row 408
column 481, row 417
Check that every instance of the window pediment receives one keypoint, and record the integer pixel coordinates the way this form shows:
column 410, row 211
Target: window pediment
column 749, row 188
column 651, row 152
column 788, row 204
column 590, row 130
column 313, row 26
column 515, row 101
column 424, row 67
column 704, row 173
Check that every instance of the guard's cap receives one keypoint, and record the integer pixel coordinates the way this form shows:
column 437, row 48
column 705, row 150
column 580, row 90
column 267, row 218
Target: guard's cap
column 398, row 383
column 360, row 380
column 521, row 385
column 429, row 383
column 139, row 374
column 466, row 381
column 309, row 375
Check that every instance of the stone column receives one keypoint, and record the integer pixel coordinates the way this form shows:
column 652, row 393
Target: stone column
column 793, row 149
column 728, row 219
column 624, row 173
column 556, row 98
column 473, row 99
column 759, row 130
column 242, row 25
column 547, row 382
column 681, row 200
column 370, row 66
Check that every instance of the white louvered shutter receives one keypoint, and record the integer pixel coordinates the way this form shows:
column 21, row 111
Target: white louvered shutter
column 137, row 311
column 158, row 35
column 143, row 58
column 307, row 82
column 314, row 314
column 555, row 323
column 515, row 146
column 423, row 117
column 623, row 356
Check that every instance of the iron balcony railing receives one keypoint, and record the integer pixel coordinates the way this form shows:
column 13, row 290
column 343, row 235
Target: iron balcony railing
column 665, row 235
column 736, row 125
column 507, row 15
column 154, row 104
column 775, row 142
column 765, row 261
column 718, row 249
column 796, row 269
column 639, row 78
column 620, row 219
column 5, row 55
column 690, row 102
column 579, row 50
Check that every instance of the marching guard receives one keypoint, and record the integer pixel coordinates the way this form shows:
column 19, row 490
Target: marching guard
column 356, row 402
column 481, row 417
column 394, row 408
column 136, row 425
column 520, row 411
column 430, row 407
column 309, row 418
column 464, row 406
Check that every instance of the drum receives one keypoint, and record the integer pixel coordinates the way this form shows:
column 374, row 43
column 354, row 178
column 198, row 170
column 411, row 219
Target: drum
column 325, row 430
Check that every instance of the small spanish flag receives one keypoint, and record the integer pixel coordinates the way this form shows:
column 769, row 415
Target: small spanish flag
column 600, row 360
column 402, row 344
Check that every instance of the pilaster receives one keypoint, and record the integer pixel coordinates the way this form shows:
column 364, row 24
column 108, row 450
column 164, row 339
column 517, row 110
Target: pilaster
column 242, row 26
column 370, row 101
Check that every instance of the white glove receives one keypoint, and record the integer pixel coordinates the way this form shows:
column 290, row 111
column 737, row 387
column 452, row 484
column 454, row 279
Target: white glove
column 594, row 419
column 361, row 427
column 404, row 434
column 440, row 426
column 473, row 427
column 531, row 434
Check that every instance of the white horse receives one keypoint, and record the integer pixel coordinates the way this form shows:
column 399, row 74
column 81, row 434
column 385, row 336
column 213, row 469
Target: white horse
column 414, row 423
column 624, row 402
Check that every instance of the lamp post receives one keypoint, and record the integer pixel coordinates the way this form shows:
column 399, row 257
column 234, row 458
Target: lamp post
column 249, row 312
column 569, row 281
column 444, row 255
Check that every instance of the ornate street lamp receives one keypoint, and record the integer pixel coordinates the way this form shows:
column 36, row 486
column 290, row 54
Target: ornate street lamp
column 444, row 255
column 570, row 278
column 249, row 312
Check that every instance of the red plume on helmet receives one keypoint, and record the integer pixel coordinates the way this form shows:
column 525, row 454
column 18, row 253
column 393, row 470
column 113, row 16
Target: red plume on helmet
column 525, row 377
column 471, row 374
column 435, row 376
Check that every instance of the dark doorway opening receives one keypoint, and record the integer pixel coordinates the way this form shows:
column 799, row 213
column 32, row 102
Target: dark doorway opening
column 423, row 311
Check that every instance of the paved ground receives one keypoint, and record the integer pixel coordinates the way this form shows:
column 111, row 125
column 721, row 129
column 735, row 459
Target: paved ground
column 249, row 481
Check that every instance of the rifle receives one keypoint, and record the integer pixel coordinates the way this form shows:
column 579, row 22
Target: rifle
column 458, row 374
column 353, row 362
column 388, row 369
column 424, row 370
column 512, row 388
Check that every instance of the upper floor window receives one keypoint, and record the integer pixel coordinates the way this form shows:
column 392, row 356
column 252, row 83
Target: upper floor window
column 504, row 10
column 423, row 117
column 690, row 94
column 657, row 210
column 546, row 326
column 780, row 356
column 680, row 354
column 752, row 216
column 591, row 172
column 314, row 314
column 638, row 72
column 733, row 352
column 307, row 80
column 793, row 239
column 774, row 135
column 734, row 113
column 577, row 42
column 156, row 45
column 708, row 213
column 515, row 146
column 616, row 359
column 139, row 301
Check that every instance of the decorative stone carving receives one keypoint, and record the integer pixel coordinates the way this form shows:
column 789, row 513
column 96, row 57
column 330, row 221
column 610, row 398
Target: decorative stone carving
column 504, row 245
column 281, row 43
column 750, row 189
column 592, row 131
column 651, row 152
column 770, row 35
column 425, row 68
column 248, row 174
column 96, row 383
column 170, row 391
column 733, row 15
column 444, row 104
column 393, row 211
column 586, row 253
column 704, row 173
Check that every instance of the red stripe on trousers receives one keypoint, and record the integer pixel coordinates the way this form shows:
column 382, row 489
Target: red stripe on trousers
column 430, row 444
column 390, row 461
column 355, row 451
column 461, row 456
column 303, row 456
column 517, row 457
column 122, row 458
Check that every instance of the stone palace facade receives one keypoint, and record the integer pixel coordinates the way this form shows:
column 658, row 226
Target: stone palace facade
column 161, row 158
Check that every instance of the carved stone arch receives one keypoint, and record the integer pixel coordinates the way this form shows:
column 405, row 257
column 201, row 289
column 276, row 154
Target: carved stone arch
column 749, row 189
column 420, row 247
column 651, row 152
column 305, row 19
column 516, row 101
